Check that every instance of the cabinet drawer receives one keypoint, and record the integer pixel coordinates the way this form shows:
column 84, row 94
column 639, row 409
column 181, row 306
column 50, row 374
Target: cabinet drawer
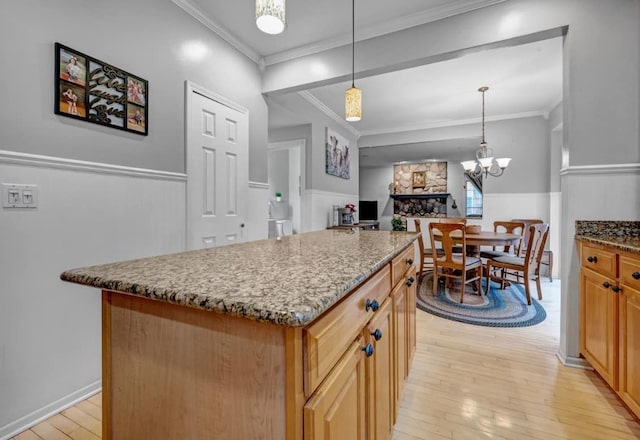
column 327, row 338
column 599, row 260
column 630, row 271
column 400, row 264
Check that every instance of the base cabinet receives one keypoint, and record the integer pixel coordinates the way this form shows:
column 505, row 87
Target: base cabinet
column 599, row 308
column 337, row 409
column 610, row 318
column 370, row 376
column 629, row 378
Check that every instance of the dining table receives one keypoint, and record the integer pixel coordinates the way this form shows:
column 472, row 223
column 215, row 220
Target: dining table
column 484, row 238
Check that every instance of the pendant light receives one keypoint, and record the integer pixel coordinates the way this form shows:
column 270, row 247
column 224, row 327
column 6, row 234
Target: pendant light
column 485, row 163
column 271, row 16
column 353, row 95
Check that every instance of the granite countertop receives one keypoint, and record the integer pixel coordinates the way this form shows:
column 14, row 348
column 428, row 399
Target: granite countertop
column 287, row 282
column 620, row 235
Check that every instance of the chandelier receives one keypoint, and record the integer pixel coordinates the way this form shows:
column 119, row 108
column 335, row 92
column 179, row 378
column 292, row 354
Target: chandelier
column 270, row 16
column 353, row 95
column 485, row 162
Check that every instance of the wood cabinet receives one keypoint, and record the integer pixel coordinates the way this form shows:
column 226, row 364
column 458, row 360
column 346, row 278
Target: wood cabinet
column 610, row 318
column 337, row 410
column 404, row 313
column 379, row 316
column 629, row 338
column 170, row 369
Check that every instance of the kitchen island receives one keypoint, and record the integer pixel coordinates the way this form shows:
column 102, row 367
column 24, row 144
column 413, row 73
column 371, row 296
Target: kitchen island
column 310, row 336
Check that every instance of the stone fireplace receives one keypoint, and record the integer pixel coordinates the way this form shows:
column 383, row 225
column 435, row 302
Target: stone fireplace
column 420, row 189
column 420, row 205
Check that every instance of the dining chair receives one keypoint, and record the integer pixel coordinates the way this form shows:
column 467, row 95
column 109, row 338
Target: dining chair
column 426, row 255
column 508, row 250
column 452, row 265
column 456, row 249
column 453, row 220
column 547, row 254
column 521, row 270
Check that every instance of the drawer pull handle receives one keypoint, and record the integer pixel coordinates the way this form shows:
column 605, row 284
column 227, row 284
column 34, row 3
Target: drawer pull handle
column 377, row 335
column 368, row 350
column 591, row 259
column 373, row 305
column 616, row 289
column 410, row 281
column 636, row 275
column 409, row 261
column 606, row 284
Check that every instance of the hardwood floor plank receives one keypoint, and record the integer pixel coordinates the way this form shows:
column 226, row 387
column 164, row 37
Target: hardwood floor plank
column 49, row 432
column 27, row 435
column 83, row 419
column 63, row 424
column 83, row 434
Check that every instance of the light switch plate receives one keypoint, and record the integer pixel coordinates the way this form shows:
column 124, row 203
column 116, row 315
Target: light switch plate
column 16, row 195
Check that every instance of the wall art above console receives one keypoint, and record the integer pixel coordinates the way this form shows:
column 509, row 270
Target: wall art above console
column 94, row 91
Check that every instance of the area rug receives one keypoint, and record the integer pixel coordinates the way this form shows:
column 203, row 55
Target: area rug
column 499, row 308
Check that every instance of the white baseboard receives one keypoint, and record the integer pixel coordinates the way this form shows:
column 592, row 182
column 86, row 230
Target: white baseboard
column 573, row 362
column 51, row 409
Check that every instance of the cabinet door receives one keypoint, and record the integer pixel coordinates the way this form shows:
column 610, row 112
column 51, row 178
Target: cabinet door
column 336, row 411
column 630, row 348
column 412, row 285
column 598, row 331
column 399, row 300
column 379, row 374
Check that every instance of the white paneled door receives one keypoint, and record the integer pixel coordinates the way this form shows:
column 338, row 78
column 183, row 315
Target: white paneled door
column 217, row 170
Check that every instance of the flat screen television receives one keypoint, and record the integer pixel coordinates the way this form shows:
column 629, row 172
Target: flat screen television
column 368, row 211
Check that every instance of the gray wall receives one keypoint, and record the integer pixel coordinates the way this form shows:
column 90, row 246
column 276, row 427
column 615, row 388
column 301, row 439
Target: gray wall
column 148, row 38
column 317, row 178
column 374, row 185
column 145, row 37
column 525, row 140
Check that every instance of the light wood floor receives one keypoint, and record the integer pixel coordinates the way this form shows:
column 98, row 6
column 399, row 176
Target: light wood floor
column 466, row 382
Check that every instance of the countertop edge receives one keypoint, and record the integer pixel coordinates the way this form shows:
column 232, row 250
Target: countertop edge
column 607, row 241
column 235, row 308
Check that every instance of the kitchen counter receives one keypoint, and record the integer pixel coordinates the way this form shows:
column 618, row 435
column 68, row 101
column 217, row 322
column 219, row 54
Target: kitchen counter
column 287, row 282
column 619, row 235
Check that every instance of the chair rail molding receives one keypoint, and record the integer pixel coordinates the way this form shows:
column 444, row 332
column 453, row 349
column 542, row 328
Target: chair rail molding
column 631, row 168
column 36, row 160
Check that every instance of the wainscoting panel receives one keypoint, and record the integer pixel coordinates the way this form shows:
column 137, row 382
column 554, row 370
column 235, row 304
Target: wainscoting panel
column 50, row 331
column 320, row 205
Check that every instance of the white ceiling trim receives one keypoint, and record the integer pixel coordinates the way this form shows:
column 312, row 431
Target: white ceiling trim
column 218, row 29
column 456, row 123
column 446, row 10
column 327, row 111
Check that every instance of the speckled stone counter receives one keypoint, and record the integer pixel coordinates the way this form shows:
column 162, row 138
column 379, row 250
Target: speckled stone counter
column 287, row 282
column 620, row 235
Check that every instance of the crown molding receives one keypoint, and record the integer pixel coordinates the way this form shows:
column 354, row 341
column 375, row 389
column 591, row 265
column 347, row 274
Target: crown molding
column 456, row 123
column 327, row 111
column 218, row 29
column 448, row 9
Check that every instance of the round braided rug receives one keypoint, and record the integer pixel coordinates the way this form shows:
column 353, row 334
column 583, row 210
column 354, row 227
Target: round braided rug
column 499, row 308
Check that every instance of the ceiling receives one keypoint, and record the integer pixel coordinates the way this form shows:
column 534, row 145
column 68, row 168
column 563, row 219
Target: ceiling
column 523, row 80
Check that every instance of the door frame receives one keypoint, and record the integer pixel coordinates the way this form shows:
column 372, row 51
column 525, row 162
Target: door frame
column 299, row 144
column 191, row 87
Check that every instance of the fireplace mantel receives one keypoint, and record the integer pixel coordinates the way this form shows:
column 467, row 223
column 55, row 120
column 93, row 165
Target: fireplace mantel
column 419, row 196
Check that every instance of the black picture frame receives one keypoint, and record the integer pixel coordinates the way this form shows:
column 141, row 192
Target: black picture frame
column 91, row 90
